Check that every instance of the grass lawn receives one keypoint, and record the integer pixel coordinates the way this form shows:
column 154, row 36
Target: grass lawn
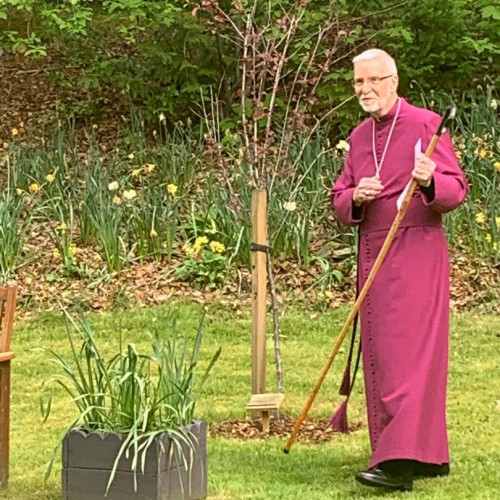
column 258, row 469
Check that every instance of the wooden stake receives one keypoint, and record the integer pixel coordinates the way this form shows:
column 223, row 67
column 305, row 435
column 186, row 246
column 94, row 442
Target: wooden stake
column 259, row 236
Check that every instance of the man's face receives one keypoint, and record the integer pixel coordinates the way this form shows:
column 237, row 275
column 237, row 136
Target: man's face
column 375, row 98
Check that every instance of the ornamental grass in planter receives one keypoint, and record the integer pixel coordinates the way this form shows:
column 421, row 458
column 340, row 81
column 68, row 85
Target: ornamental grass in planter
column 135, row 436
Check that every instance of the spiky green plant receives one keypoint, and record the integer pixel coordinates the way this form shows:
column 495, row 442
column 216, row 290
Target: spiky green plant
column 139, row 395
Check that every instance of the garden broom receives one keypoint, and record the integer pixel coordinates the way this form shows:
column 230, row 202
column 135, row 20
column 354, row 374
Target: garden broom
column 448, row 116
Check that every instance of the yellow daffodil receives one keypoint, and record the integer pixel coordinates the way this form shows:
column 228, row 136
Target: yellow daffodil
column 73, row 250
column 113, row 186
column 136, row 172
column 199, row 243
column 343, row 145
column 172, row 189
column 5, row 146
column 188, row 250
column 488, row 238
column 117, row 200
column 62, row 227
column 497, row 221
column 217, row 247
column 480, row 218
column 153, row 233
column 497, row 165
column 483, row 153
column 150, row 167
column 56, row 254
column 34, row 188
column 129, row 194
column 494, row 104
column 97, row 258
column 50, row 178
column 19, row 191
column 290, row 206
column 161, row 117
column 131, row 156
column 14, row 132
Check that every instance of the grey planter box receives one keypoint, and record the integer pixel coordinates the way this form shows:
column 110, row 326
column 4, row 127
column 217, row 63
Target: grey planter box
column 88, row 458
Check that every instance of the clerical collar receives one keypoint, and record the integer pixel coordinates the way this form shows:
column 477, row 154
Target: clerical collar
column 391, row 113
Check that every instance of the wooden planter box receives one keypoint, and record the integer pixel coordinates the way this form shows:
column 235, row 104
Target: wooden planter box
column 88, row 458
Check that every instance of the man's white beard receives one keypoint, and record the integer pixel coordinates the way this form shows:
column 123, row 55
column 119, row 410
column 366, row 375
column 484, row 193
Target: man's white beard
column 373, row 106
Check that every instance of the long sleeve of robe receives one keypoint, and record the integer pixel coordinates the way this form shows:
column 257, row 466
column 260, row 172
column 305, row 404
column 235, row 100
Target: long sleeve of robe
column 405, row 315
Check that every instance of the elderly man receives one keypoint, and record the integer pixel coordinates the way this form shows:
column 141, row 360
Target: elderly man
column 405, row 316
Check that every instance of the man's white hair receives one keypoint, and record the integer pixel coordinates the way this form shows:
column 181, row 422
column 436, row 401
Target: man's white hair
column 370, row 54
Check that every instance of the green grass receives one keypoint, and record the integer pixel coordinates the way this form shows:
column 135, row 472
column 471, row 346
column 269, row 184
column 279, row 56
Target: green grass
column 258, row 469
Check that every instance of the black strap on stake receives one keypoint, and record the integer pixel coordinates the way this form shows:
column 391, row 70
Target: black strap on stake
column 257, row 247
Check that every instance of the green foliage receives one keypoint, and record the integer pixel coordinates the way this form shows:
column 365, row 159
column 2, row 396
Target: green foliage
column 457, row 40
column 139, row 395
column 13, row 228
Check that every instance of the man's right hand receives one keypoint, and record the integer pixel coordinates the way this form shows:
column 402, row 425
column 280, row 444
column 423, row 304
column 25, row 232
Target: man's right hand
column 366, row 190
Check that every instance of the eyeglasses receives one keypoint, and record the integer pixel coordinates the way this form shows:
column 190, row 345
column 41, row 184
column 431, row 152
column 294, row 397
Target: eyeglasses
column 373, row 81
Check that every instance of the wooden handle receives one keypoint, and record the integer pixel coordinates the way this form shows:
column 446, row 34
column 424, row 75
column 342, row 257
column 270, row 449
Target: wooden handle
column 362, row 294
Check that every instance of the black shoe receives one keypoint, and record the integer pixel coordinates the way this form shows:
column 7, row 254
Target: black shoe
column 422, row 469
column 384, row 478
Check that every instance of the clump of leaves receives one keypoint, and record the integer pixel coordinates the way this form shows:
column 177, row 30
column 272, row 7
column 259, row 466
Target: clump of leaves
column 139, row 395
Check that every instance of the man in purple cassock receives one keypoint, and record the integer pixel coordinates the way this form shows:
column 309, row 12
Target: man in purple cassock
column 405, row 316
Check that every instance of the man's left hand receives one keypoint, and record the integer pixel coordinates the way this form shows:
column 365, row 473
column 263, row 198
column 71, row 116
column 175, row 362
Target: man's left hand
column 424, row 168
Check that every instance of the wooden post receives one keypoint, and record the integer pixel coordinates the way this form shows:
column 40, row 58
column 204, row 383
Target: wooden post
column 259, row 236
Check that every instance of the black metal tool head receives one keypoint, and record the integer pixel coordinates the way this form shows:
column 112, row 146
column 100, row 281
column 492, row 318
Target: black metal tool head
column 448, row 116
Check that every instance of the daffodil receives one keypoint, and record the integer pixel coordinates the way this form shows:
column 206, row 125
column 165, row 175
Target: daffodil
column 497, row 221
column 56, row 254
column 199, row 243
column 129, row 194
column 153, row 233
column 150, row 167
column 480, row 218
column 50, row 178
column 34, row 188
column 483, row 153
column 188, row 249
column 343, row 145
column 131, row 156
column 161, row 117
column 488, row 238
column 73, row 250
column 96, row 257
column 113, row 186
column 172, row 189
column 62, row 227
column 136, row 172
column 14, row 132
column 19, row 191
column 117, row 200
column 217, row 246
column 497, row 165
column 494, row 104
column 290, row 206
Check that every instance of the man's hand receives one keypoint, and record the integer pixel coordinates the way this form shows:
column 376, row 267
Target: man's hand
column 424, row 168
column 367, row 189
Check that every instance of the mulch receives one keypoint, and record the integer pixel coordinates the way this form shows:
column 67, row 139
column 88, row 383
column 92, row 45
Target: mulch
column 312, row 431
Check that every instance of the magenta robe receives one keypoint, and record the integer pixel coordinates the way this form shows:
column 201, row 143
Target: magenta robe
column 405, row 316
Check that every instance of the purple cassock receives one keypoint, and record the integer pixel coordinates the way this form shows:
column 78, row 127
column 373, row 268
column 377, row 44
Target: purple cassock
column 405, row 316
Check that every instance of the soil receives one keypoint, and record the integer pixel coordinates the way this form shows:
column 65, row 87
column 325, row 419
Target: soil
column 312, row 430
